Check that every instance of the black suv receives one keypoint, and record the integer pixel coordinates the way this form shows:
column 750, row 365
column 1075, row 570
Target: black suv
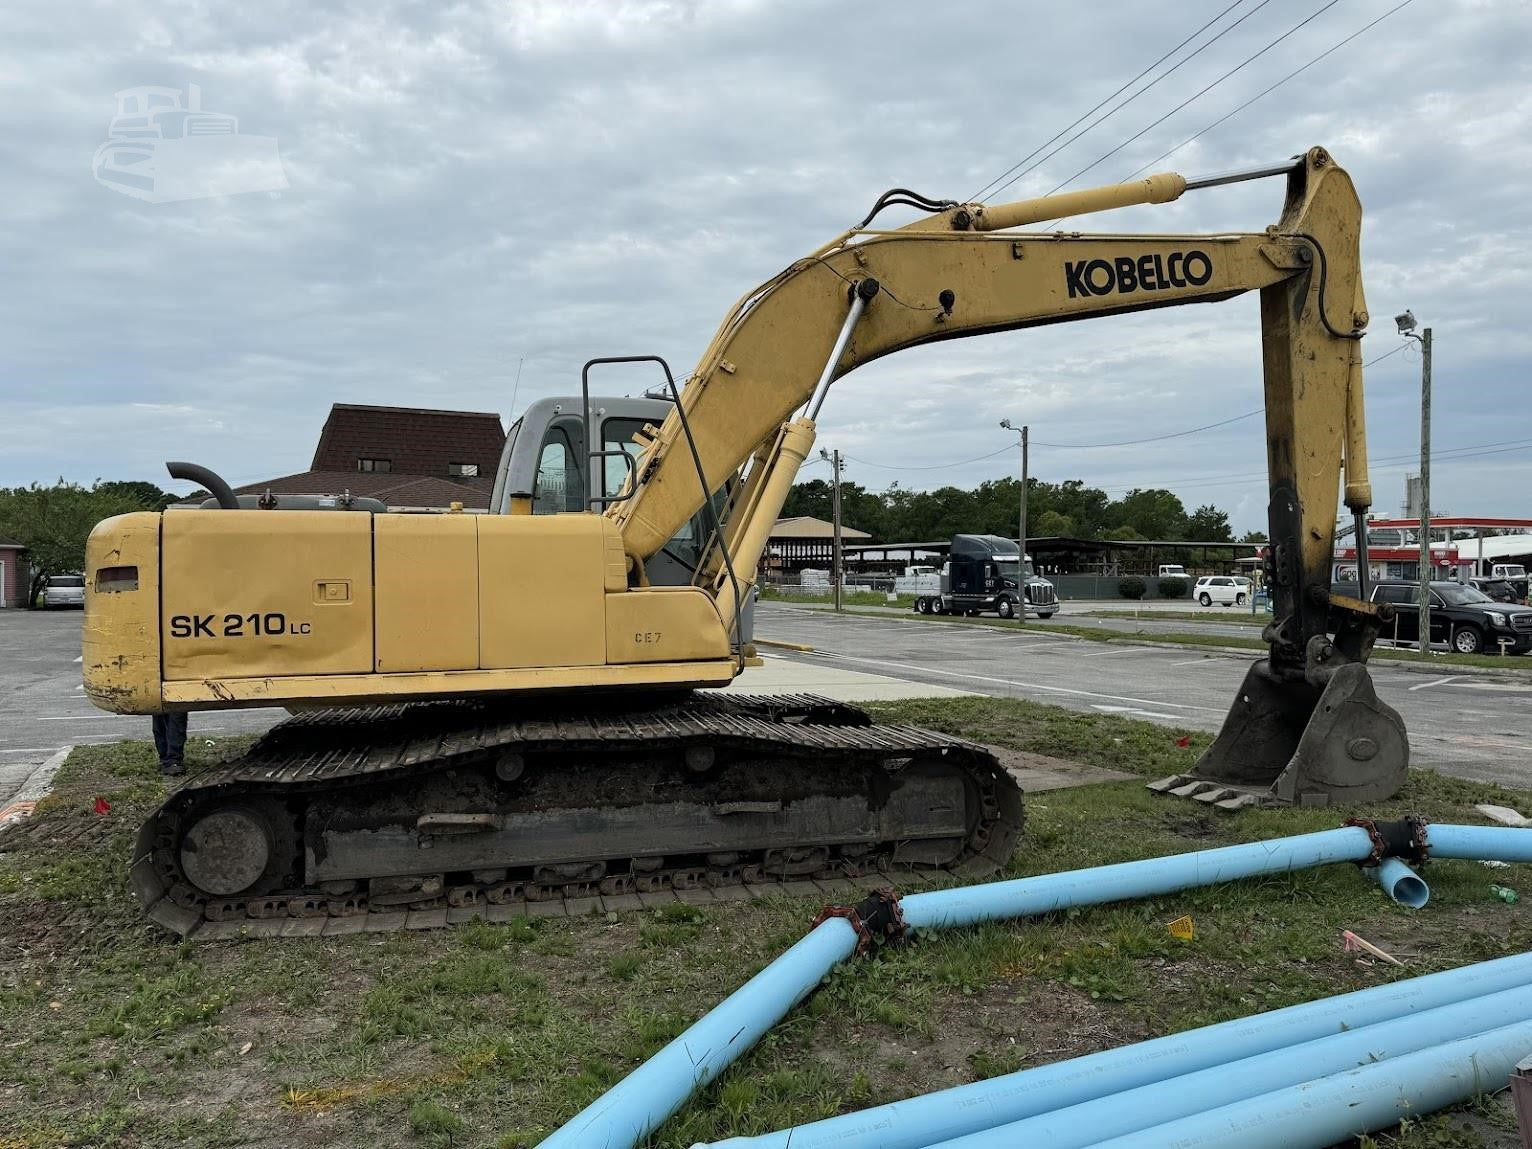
column 1466, row 619
column 1497, row 589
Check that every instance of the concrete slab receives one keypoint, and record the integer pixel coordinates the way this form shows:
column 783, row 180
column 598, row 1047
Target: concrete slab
column 1038, row 772
column 800, row 675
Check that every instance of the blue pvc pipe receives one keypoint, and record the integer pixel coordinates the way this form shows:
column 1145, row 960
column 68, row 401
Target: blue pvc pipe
column 1175, row 1098
column 1331, row 1109
column 1024, row 897
column 921, row 1121
column 1400, row 882
column 636, row 1105
column 1480, row 843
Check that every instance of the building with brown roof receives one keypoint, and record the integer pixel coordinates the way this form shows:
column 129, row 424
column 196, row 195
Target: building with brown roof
column 804, row 541
column 410, row 458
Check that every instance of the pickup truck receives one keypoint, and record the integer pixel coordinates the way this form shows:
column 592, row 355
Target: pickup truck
column 1465, row 619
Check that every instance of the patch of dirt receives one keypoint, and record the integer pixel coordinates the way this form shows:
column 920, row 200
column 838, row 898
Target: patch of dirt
column 1192, row 825
column 1007, row 1026
column 1038, row 772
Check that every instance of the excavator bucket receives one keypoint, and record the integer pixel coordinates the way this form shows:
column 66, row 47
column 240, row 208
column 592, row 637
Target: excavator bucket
column 1291, row 742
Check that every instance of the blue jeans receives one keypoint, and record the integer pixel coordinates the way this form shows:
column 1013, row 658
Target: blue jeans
column 170, row 737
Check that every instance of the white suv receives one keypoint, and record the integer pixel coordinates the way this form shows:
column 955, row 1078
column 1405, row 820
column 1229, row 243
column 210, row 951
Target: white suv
column 1222, row 589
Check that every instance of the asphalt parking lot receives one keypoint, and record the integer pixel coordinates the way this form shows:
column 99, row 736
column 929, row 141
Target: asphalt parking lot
column 43, row 705
column 1470, row 726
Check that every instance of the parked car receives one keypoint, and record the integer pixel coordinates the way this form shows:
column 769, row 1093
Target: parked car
column 1497, row 589
column 64, row 590
column 1464, row 618
column 1222, row 589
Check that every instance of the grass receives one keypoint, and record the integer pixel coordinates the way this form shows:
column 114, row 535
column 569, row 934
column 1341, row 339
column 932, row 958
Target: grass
column 113, row 1033
column 1232, row 615
column 849, row 598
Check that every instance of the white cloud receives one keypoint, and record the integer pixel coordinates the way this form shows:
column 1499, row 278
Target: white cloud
column 475, row 183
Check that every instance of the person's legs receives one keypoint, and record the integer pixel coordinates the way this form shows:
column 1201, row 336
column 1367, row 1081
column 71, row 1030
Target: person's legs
column 170, row 741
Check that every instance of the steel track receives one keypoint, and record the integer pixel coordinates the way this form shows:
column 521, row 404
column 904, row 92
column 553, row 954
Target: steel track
column 328, row 764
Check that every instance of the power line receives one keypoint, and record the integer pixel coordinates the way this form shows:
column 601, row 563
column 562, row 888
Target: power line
column 1205, row 427
column 937, row 467
column 1152, row 438
column 1092, row 446
column 1266, row 92
column 1200, row 93
column 1450, row 455
column 986, row 189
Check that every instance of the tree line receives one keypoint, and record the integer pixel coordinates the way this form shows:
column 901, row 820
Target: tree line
column 1070, row 509
column 54, row 522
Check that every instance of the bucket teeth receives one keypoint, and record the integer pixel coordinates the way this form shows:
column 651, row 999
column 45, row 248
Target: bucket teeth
column 1201, row 790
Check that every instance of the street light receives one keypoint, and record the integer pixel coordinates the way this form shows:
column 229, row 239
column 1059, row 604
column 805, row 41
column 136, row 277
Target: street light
column 833, row 458
column 1021, row 533
column 1406, row 324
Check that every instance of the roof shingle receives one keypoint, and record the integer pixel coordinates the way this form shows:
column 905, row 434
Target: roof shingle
column 415, row 441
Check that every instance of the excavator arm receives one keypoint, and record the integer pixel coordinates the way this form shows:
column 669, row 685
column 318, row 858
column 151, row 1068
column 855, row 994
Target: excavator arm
column 962, row 272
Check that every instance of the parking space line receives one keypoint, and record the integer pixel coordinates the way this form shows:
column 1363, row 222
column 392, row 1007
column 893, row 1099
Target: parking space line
column 1203, row 661
column 1124, row 650
column 1023, row 685
column 1438, row 682
column 1504, row 687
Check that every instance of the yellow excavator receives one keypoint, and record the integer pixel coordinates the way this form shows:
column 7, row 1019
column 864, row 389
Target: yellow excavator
column 489, row 708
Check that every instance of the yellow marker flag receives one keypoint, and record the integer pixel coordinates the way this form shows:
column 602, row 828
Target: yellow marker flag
column 1183, row 928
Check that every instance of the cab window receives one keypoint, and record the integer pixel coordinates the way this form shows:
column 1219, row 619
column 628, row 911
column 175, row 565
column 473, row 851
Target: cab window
column 559, row 488
column 617, row 435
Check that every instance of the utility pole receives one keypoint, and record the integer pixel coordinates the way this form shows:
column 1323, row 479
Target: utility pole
column 1406, row 325
column 836, row 560
column 1021, row 531
column 1425, row 490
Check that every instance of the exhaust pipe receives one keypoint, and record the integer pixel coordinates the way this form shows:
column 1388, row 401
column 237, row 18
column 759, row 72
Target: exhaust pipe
column 196, row 473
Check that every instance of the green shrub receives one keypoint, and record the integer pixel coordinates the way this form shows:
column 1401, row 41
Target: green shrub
column 1173, row 587
column 1131, row 587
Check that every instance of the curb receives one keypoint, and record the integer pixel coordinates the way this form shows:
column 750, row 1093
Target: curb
column 34, row 789
column 1446, row 670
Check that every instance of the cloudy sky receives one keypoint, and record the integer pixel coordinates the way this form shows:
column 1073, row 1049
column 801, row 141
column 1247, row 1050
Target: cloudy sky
column 475, row 185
